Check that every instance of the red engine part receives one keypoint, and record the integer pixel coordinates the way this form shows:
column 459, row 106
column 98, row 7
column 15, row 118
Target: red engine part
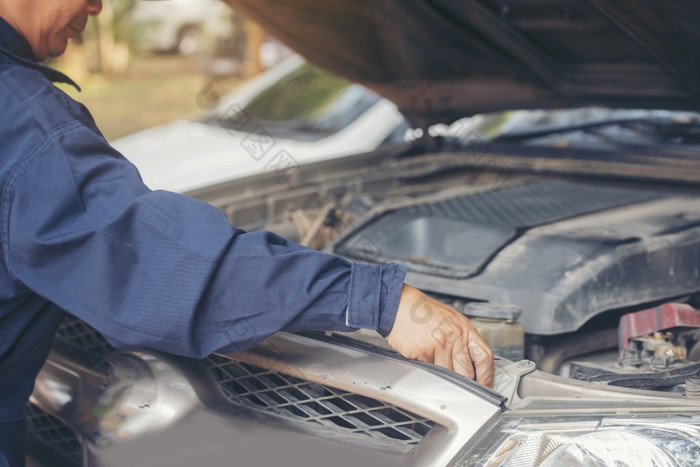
column 666, row 316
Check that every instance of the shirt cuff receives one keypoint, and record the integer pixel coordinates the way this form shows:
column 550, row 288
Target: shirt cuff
column 372, row 307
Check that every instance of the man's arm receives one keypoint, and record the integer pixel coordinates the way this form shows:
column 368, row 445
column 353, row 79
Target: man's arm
column 163, row 271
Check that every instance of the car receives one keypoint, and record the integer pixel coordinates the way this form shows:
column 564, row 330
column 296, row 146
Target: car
column 293, row 113
column 549, row 190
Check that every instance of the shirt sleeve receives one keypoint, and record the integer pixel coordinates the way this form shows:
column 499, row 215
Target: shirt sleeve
column 164, row 271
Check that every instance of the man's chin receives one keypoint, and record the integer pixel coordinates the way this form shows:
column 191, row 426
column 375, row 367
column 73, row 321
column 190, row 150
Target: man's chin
column 57, row 51
column 40, row 56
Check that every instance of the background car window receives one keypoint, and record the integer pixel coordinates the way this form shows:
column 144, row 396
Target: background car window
column 310, row 103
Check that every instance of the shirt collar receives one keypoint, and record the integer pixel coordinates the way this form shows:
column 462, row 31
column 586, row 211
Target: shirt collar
column 14, row 45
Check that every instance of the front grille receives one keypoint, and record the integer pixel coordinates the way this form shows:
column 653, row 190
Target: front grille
column 50, row 437
column 77, row 339
column 321, row 405
column 275, row 393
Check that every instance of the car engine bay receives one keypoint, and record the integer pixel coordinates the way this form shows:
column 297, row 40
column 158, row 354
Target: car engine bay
column 547, row 267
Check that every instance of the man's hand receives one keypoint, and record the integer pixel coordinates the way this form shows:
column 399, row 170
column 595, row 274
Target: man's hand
column 430, row 331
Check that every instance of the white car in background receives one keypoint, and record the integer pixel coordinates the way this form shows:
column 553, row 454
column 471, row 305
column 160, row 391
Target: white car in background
column 292, row 114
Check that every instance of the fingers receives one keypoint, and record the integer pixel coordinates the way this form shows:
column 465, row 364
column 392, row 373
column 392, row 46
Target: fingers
column 459, row 347
column 464, row 360
column 442, row 357
column 482, row 356
column 451, row 337
column 431, row 331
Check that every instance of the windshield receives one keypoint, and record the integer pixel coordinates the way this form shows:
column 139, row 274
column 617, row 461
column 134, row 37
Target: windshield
column 595, row 128
column 658, row 145
column 308, row 103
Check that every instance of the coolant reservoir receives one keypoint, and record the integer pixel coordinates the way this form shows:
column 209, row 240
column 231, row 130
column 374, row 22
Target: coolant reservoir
column 498, row 324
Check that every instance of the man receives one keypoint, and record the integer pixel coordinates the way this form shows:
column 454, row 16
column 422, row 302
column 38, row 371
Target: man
column 80, row 232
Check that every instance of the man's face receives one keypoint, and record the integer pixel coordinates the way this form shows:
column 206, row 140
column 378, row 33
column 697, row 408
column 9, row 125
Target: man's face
column 56, row 21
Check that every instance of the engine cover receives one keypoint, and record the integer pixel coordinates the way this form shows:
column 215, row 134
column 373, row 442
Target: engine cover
column 562, row 251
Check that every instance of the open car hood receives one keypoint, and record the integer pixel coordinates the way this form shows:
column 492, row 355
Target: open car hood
column 439, row 60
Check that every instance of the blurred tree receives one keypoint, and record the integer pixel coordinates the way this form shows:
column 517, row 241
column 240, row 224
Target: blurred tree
column 106, row 44
column 256, row 36
column 113, row 40
column 74, row 61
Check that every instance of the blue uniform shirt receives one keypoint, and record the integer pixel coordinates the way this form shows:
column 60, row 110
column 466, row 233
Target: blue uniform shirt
column 80, row 232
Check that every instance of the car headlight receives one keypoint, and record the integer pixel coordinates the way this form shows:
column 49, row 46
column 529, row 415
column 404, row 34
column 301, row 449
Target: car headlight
column 659, row 441
column 141, row 393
